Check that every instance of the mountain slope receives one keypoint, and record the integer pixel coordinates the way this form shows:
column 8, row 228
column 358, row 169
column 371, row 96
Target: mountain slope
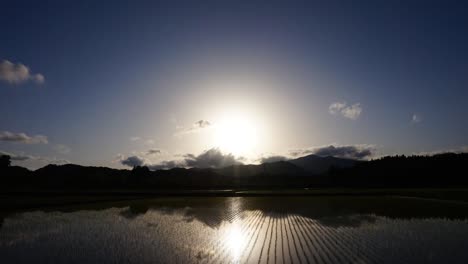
column 274, row 168
column 317, row 165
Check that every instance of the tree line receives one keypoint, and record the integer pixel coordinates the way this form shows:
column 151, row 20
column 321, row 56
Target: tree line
column 442, row 170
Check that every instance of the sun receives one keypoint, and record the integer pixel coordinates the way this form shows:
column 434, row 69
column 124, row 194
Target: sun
column 236, row 133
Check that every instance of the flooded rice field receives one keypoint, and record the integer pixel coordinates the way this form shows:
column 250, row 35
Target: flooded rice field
column 241, row 230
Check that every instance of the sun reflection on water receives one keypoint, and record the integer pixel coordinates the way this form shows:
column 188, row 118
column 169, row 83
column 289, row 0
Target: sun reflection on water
column 235, row 237
column 236, row 242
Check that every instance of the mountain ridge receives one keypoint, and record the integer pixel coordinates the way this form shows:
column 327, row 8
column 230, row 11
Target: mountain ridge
column 309, row 171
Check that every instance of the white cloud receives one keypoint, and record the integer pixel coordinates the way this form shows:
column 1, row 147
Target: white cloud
column 22, row 138
column 336, row 108
column 212, row 158
column 18, row 73
column 39, row 78
column 349, row 111
column 416, row 118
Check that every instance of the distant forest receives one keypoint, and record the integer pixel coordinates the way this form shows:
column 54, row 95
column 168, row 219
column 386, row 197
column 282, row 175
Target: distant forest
column 441, row 170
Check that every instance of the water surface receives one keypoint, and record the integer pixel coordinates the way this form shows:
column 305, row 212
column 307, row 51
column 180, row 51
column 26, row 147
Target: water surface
column 241, row 230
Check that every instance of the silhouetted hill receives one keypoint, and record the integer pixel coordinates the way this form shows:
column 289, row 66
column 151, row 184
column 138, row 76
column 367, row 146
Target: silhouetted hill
column 318, row 165
column 79, row 177
column 273, row 168
column 443, row 170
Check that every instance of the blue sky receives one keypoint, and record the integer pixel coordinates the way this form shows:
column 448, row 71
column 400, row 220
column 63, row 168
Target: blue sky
column 121, row 79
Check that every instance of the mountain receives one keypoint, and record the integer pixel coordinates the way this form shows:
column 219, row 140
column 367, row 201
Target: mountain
column 318, row 165
column 310, row 171
column 303, row 166
column 273, row 168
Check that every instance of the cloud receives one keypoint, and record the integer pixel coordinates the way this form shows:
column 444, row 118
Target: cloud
column 202, row 124
column 153, row 152
column 349, row 111
column 212, row 158
column 18, row 73
column 23, row 157
column 136, row 160
column 132, row 161
column 352, row 152
column 461, row 149
column 416, row 118
column 22, row 138
column 336, row 108
column 140, row 158
column 62, row 149
column 271, row 159
column 17, row 157
column 347, row 151
column 148, row 141
column 196, row 127
column 167, row 164
column 54, row 160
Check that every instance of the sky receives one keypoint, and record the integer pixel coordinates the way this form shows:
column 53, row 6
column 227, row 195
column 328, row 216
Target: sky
column 212, row 83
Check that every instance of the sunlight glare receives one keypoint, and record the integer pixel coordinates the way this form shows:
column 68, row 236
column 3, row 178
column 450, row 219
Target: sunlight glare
column 235, row 240
column 237, row 134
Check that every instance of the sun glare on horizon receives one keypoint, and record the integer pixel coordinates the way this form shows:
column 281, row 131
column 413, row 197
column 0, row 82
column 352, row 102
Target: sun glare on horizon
column 237, row 133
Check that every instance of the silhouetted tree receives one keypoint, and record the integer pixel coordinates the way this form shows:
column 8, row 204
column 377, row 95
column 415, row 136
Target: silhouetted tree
column 139, row 176
column 140, row 170
column 5, row 161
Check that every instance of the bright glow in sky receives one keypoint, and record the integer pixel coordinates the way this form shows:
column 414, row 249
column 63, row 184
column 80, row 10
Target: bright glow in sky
column 238, row 133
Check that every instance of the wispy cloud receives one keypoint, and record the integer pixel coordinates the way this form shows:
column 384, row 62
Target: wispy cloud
column 196, row 127
column 345, row 151
column 18, row 73
column 16, row 156
column 461, row 149
column 22, row 138
column 25, row 157
column 342, row 108
column 146, row 141
column 416, row 118
column 62, row 149
column 202, row 124
column 153, row 152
